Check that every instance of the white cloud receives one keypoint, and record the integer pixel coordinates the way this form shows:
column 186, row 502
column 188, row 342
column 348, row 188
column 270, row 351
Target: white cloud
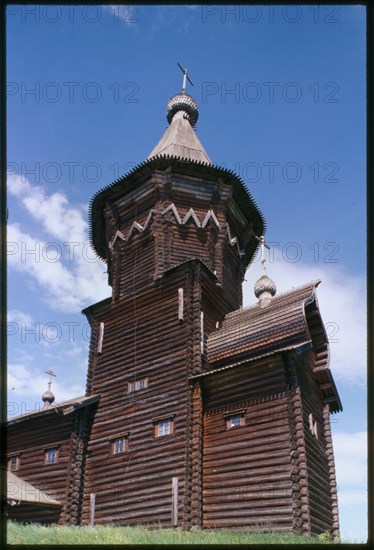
column 353, row 497
column 342, row 302
column 25, row 382
column 350, row 451
column 351, row 460
column 18, row 317
column 66, row 269
column 53, row 277
column 52, row 211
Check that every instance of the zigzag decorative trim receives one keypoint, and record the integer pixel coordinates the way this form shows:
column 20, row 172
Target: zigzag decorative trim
column 210, row 215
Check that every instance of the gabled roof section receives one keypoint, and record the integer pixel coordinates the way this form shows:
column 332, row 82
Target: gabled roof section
column 180, row 140
column 65, row 407
column 19, row 490
column 253, row 331
column 290, row 323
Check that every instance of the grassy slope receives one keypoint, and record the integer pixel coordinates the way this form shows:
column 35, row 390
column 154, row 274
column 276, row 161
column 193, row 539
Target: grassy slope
column 36, row 534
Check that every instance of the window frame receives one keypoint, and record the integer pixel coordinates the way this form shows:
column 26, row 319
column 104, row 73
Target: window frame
column 17, row 456
column 135, row 385
column 113, row 442
column 313, row 426
column 46, row 450
column 229, row 416
column 158, row 421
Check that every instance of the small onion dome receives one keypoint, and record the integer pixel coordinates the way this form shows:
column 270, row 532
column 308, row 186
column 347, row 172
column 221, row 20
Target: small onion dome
column 48, row 398
column 264, row 290
column 182, row 102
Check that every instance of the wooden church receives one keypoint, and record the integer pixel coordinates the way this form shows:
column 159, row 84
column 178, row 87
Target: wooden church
column 198, row 412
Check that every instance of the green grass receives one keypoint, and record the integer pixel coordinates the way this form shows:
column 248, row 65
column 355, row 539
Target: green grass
column 38, row 534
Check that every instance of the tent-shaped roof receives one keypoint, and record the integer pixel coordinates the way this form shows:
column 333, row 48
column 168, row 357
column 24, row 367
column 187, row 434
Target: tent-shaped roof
column 180, row 140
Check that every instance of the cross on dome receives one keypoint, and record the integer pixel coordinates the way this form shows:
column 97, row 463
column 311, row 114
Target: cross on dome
column 265, row 287
column 48, row 397
column 185, row 78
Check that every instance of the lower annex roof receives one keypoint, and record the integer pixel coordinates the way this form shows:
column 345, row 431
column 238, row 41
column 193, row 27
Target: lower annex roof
column 19, row 490
column 65, row 407
column 253, row 331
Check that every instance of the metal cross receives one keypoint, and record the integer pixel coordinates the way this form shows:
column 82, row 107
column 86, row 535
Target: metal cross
column 263, row 245
column 185, row 78
column 50, row 372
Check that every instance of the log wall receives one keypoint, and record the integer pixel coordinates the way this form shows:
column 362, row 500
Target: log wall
column 317, row 461
column 144, row 338
column 27, row 512
column 82, row 423
column 247, row 469
column 30, row 438
column 299, row 474
column 332, row 475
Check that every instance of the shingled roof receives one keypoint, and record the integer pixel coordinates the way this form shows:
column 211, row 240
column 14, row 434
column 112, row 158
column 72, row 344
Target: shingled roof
column 65, row 407
column 180, row 140
column 291, row 322
column 253, row 331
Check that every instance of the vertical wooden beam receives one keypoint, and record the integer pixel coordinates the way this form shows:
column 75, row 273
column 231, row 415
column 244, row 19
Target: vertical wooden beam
column 92, row 508
column 174, row 502
column 196, row 454
column 180, row 304
column 202, row 332
column 116, row 271
column 300, row 487
column 331, row 467
column 101, row 338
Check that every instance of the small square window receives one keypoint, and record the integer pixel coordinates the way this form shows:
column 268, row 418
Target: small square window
column 164, row 427
column 14, row 463
column 137, row 385
column 313, row 427
column 235, row 420
column 119, row 445
column 51, row 455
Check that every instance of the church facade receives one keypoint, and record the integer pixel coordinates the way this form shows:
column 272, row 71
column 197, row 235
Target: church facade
column 198, row 412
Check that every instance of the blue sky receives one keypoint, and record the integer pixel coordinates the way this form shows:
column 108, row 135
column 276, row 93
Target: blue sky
column 281, row 93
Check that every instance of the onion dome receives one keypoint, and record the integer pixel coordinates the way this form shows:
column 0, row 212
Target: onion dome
column 264, row 290
column 48, row 398
column 183, row 102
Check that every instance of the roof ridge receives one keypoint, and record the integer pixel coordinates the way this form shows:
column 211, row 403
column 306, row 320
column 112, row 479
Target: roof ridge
column 80, row 400
column 314, row 283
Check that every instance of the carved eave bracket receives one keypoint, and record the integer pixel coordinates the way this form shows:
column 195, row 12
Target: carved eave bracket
column 210, row 217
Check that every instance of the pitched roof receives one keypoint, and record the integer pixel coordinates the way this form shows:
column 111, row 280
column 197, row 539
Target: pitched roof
column 254, row 331
column 180, row 140
column 291, row 322
column 65, row 407
column 19, row 490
